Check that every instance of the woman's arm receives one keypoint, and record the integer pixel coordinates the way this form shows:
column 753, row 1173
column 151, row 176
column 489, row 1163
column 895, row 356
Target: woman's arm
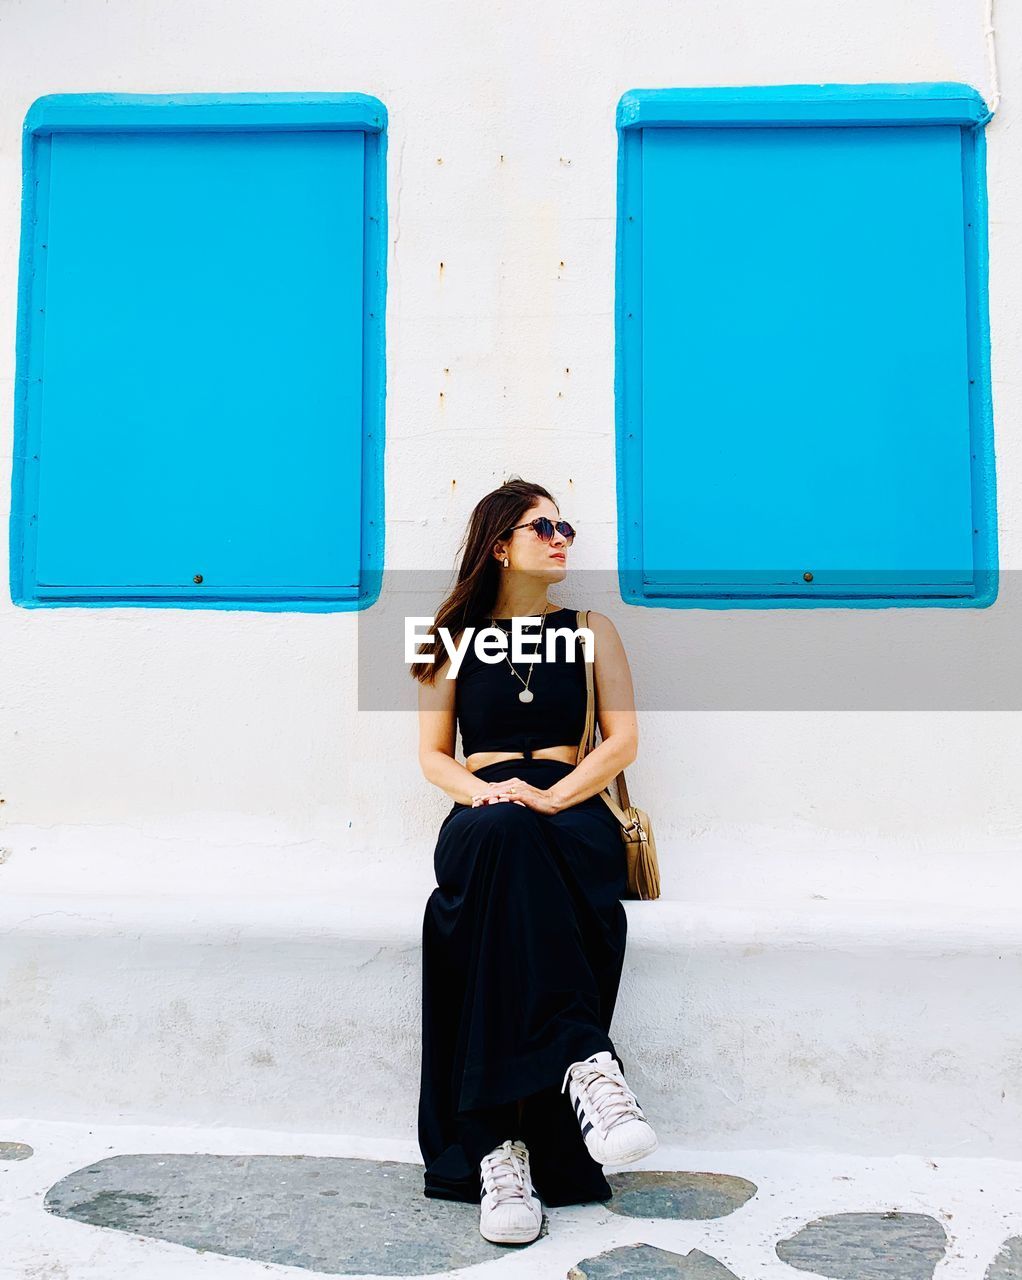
column 619, row 729
column 437, row 731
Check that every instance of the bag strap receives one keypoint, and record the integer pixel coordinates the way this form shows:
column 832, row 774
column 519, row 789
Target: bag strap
column 589, row 737
column 589, row 729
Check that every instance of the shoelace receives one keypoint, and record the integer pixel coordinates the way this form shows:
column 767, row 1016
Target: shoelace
column 608, row 1099
column 504, row 1171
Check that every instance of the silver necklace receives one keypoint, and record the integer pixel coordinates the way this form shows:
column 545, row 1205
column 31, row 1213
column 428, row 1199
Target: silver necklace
column 526, row 695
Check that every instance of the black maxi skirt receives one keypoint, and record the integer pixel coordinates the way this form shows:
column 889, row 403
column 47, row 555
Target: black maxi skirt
column 523, row 944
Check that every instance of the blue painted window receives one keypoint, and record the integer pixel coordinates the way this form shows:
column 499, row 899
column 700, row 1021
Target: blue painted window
column 803, row 387
column 200, row 351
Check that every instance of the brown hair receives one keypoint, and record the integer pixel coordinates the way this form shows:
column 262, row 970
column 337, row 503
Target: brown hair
column 475, row 591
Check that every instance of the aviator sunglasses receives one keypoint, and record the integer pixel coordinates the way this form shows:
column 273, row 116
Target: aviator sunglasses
column 545, row 527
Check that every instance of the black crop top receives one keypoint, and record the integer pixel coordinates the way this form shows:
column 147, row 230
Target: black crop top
column 493, row 718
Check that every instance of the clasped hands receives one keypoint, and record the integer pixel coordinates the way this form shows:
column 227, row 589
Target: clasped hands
column 518, row 791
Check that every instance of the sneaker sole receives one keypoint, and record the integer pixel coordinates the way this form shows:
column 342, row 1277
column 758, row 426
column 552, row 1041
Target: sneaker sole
column 524, row 1238
column 637, row 1155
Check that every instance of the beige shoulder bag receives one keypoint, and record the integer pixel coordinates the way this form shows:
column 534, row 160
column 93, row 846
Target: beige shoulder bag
column 636, row 831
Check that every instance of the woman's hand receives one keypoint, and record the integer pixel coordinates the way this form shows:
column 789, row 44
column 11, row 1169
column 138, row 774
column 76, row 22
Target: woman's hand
column 493, row 794
column 524, row 793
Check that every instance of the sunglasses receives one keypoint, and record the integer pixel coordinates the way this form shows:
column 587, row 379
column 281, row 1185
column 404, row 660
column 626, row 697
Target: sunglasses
column 545, row 527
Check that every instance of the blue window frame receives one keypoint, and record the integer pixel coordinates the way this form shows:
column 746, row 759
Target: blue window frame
column 200, row 359
column 803, row 381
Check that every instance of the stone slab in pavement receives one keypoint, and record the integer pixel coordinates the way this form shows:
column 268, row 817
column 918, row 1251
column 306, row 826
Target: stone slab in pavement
column 81, row 1202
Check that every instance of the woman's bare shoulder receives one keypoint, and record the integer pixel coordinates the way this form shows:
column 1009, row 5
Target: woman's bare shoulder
column 601, row 624
column 443, row 684
column 606, row 638
column 444, row 657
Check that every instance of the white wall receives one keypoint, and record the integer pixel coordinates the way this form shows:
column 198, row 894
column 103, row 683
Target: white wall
column 174, row 748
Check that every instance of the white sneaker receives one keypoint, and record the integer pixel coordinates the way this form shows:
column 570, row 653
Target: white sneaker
column 510, row 1211
column 613, row 1125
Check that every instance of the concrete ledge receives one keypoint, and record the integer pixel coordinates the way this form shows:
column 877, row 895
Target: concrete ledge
column 397, row 916
column 860, row 1026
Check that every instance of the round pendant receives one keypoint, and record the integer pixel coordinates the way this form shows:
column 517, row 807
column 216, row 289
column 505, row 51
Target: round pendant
column 525, row 695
